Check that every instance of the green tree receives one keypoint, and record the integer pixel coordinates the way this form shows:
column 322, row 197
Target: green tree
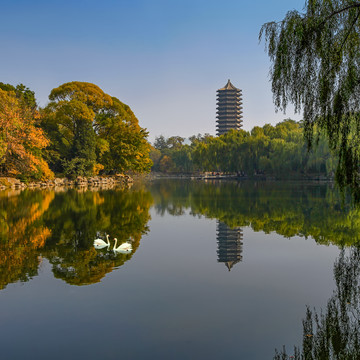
column 155, row 156
column 278, row 151
column 315, row 66
column 91, row 130
column 23, row 93
column 68, row 120
column 175, row 142
column 126, row 142
column 82, row 151
column 160, row 143
column 182, row 158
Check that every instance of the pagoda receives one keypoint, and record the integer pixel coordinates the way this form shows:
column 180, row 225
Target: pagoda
column 229, row 114
column 230, row 242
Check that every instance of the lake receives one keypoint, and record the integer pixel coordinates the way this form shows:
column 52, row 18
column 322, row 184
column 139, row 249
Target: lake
column 218, row 269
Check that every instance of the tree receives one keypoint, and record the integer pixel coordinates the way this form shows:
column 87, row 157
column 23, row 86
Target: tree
column 23, row 93
column 182, row 158
column 315, row 66
column 91, row 130
column 68, row 120
column 126, row 142
column 160, row 143
column 155, row 156
column 166, row 164
column 175, row 142
column 21, row 139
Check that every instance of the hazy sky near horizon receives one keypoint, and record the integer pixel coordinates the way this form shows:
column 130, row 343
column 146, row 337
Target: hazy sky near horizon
column 164, row 58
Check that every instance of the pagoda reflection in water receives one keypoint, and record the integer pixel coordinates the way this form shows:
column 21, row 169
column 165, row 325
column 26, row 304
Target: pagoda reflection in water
column 230, row 241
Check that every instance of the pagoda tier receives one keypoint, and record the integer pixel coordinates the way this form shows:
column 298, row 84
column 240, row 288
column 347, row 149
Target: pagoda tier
column 228, row 122
column 228, row 126
column 222, row 112
column 229, row 114
column 229, row 109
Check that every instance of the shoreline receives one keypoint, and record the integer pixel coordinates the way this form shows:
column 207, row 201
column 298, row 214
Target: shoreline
column 93, row 182
column 126, row 181
column 227, row 177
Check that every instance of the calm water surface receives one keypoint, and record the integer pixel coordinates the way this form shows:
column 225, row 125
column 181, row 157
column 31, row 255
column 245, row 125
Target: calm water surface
column 217, row 269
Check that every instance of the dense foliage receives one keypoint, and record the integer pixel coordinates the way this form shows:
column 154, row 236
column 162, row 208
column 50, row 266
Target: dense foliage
column 315, row 66
column 271, row 150
column 80, row 132
column 22, row 141
column 84, row 131
column 90, row 130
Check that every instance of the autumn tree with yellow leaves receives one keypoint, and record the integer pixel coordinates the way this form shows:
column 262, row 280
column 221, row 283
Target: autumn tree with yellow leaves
column 81, row 131
column 22, row 141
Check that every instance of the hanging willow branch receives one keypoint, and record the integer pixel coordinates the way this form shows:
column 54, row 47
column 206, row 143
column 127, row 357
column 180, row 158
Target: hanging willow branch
column 315, row 65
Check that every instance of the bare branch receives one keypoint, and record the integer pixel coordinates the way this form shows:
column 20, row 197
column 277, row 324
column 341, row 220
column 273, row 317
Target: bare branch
column 352, row 6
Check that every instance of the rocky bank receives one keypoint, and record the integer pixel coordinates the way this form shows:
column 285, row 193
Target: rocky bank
column 84, row 182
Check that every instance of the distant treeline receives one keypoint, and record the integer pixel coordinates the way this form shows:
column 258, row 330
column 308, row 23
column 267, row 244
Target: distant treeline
column 82, row 131
column 270, row 150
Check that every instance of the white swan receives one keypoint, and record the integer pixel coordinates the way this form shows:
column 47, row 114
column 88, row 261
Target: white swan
column 100, row 244
column 123, row 248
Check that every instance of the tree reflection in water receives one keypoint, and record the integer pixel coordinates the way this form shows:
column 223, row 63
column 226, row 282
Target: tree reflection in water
column 289, row 209
column 62, row 226
column 22, row 233
column 334, row 333
column 306, row 210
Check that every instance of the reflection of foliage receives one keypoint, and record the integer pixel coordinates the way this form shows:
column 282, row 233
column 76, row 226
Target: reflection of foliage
column 22, row 234
column 85, row 266
column 80, row 217
column 287, row 208
column 75, row 219
column 334, row 334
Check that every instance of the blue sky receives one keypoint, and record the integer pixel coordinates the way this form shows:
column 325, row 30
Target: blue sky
column 165, row 59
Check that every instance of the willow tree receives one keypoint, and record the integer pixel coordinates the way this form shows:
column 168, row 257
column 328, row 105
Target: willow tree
column 316, row 67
